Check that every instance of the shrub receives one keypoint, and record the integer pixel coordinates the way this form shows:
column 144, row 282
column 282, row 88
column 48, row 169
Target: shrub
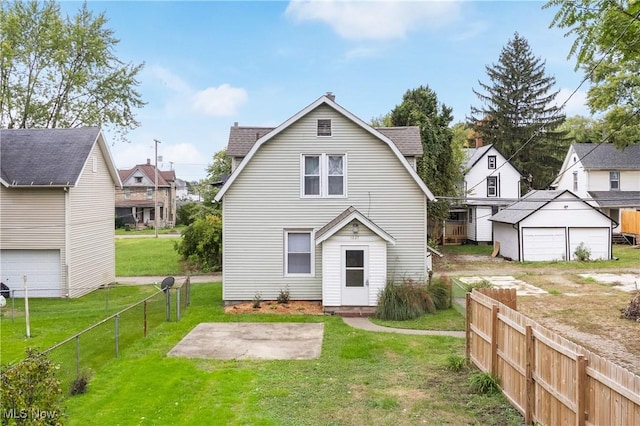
column 201, row 244
column 283, row 296
column 400, row 302
column 582, row 253
column 30, row 386
column 440, row 292
column 480, row 284
column 256, row 300
column 80, row 385
column 456, row 362
column 484, row 383
column 187, row 213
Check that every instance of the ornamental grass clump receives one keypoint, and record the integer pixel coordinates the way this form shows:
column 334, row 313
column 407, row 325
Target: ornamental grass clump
column 440, row 292
column 405, row 301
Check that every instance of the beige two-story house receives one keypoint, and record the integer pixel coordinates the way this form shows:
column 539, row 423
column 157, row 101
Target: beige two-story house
column 323, row 205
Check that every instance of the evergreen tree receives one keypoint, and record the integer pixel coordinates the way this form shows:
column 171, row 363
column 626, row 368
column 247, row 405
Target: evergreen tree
column 439, row 166
column 518, row 114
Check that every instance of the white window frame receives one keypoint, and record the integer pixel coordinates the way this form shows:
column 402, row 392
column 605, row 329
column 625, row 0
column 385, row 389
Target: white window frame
column 330, row 134
column 312, row 258
column 324, row 175
column 489, row 158
column 494, row 179
column 611, row 180
column 149, row 193
column 575, row 182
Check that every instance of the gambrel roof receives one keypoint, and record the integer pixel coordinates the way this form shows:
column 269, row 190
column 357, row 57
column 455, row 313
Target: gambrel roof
column 242, row 139
column 240, row 143
column 165, row 177
column 49, row 157
column 606, row 156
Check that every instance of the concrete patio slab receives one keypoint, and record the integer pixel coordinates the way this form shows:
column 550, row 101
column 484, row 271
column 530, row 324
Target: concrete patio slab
column 506, row 281
column 263, row 341
column 623, row 282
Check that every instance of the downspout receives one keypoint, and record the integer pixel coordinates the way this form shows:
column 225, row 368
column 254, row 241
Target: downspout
column 67, row 240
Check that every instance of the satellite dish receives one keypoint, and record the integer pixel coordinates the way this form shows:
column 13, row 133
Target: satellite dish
column 3, row 302
column 167, row 283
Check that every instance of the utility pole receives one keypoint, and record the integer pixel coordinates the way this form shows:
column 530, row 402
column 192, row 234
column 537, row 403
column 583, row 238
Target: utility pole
column 155, row 193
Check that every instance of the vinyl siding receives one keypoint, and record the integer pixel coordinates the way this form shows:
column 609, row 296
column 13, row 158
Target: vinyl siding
column 33, row 219
column 508, row 177
column 265, row 200
column 508, row 239
column 91, row 238
column 483, row 225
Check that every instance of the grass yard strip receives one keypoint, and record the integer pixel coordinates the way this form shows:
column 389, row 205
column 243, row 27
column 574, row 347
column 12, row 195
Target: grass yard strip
column 446, row 319
column 360, row 378
column 136, row 257
column 53, row 320
column 150, row 231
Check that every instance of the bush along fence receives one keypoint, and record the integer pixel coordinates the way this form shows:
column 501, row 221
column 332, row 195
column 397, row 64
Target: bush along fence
column 549, row 379
column 80, row 354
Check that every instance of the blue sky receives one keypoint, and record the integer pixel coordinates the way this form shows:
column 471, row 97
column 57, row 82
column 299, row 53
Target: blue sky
column 209, row 64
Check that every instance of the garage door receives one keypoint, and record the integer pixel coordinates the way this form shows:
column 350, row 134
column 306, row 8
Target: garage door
column 597, row 240
column 42, row 268
column 544, row 244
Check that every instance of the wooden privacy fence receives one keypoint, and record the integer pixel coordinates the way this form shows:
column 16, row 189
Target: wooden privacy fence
column 630, row 222
column 548, row 378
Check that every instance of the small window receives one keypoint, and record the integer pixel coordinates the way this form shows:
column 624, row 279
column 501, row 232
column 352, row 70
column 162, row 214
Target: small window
column 492, row 186
column 324, row 127
column 127, row 193
column 298, row 253
column 138, row 179
column 149, row 193
column 491, row 161
column 94, row 164
column 470, row 215
column 614, row 181
column 575, row 181
column 311, row 175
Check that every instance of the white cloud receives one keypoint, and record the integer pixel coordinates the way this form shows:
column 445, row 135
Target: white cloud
column 376, row 20
column 361, row 53
column 471, row 31
column 220, row 101
column 169, row 79
column 576, row 105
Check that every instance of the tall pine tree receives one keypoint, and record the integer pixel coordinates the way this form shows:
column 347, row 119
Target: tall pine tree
column 518, row 115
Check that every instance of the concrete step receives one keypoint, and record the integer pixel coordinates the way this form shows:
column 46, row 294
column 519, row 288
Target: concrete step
column 351, row 311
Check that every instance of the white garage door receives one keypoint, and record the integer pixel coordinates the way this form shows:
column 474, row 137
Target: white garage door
column 595, row 239
column 544, row 244
column 42, row 268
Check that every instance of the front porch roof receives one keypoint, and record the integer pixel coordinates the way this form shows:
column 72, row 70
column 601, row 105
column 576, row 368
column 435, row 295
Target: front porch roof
column 343, row 219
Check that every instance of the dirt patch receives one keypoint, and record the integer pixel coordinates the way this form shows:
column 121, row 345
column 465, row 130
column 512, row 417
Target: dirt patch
column 303, row 307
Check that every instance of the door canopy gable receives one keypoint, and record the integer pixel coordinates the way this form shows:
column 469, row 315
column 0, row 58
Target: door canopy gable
column 345, row 218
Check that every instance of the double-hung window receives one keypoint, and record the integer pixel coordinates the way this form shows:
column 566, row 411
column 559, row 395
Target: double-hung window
column 492, row 186
column 491, row 161
column 323, row 175
column 614, row 181
column 149, row 193
column 298, row 250
column 575, row 181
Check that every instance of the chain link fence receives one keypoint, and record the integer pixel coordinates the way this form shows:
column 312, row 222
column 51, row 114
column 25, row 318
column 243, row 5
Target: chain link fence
column 81, row 354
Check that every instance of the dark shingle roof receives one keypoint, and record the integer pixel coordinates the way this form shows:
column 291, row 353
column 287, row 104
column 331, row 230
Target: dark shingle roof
column 528, row 204
column 165, row 177
column 616, row 198
column 606, row 156
column 53, row 157
column 472, row 155
column 242, row 139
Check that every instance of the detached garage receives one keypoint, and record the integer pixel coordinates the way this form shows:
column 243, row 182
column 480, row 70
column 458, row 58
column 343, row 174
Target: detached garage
column 550, row 226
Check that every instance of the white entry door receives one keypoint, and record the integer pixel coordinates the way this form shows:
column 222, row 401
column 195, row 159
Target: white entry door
column 355, row 275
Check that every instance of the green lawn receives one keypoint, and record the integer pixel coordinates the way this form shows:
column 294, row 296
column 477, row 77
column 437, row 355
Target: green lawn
column 137, row 257
column 448, row 319
column 150, row 231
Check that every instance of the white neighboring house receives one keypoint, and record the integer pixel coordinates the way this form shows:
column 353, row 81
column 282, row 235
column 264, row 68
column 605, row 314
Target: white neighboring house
column 323, row 205
column 490, row 184
column 550, row 225
column 608, row 178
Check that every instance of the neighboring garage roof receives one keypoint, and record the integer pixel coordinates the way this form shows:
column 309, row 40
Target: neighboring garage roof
column 48, row 157
column 614, row 199
column 606, row 156
column 530, row 203
column 242, row 139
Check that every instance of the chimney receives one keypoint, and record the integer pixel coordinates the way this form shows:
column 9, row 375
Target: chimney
column 331, row 96
column 478, row 141
column 148, row 161
column 235, row 124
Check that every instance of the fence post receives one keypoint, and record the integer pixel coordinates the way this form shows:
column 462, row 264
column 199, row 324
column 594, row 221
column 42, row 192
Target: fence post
column 117, row 332
column 494, row 339
column 144, row 318
column 581, row 376
column 467, row 340
column 13, row 305
column 178, row 304
column 77, row 356
column 188, row 284
column 167, row 293
column 530, row 386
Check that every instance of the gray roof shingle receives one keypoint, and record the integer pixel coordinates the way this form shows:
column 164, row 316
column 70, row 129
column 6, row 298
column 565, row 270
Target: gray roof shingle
column 472, row 155
column 242, row 139
column 616, row 198
column 606, row 156
column 528, row 204
column 52, row 157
